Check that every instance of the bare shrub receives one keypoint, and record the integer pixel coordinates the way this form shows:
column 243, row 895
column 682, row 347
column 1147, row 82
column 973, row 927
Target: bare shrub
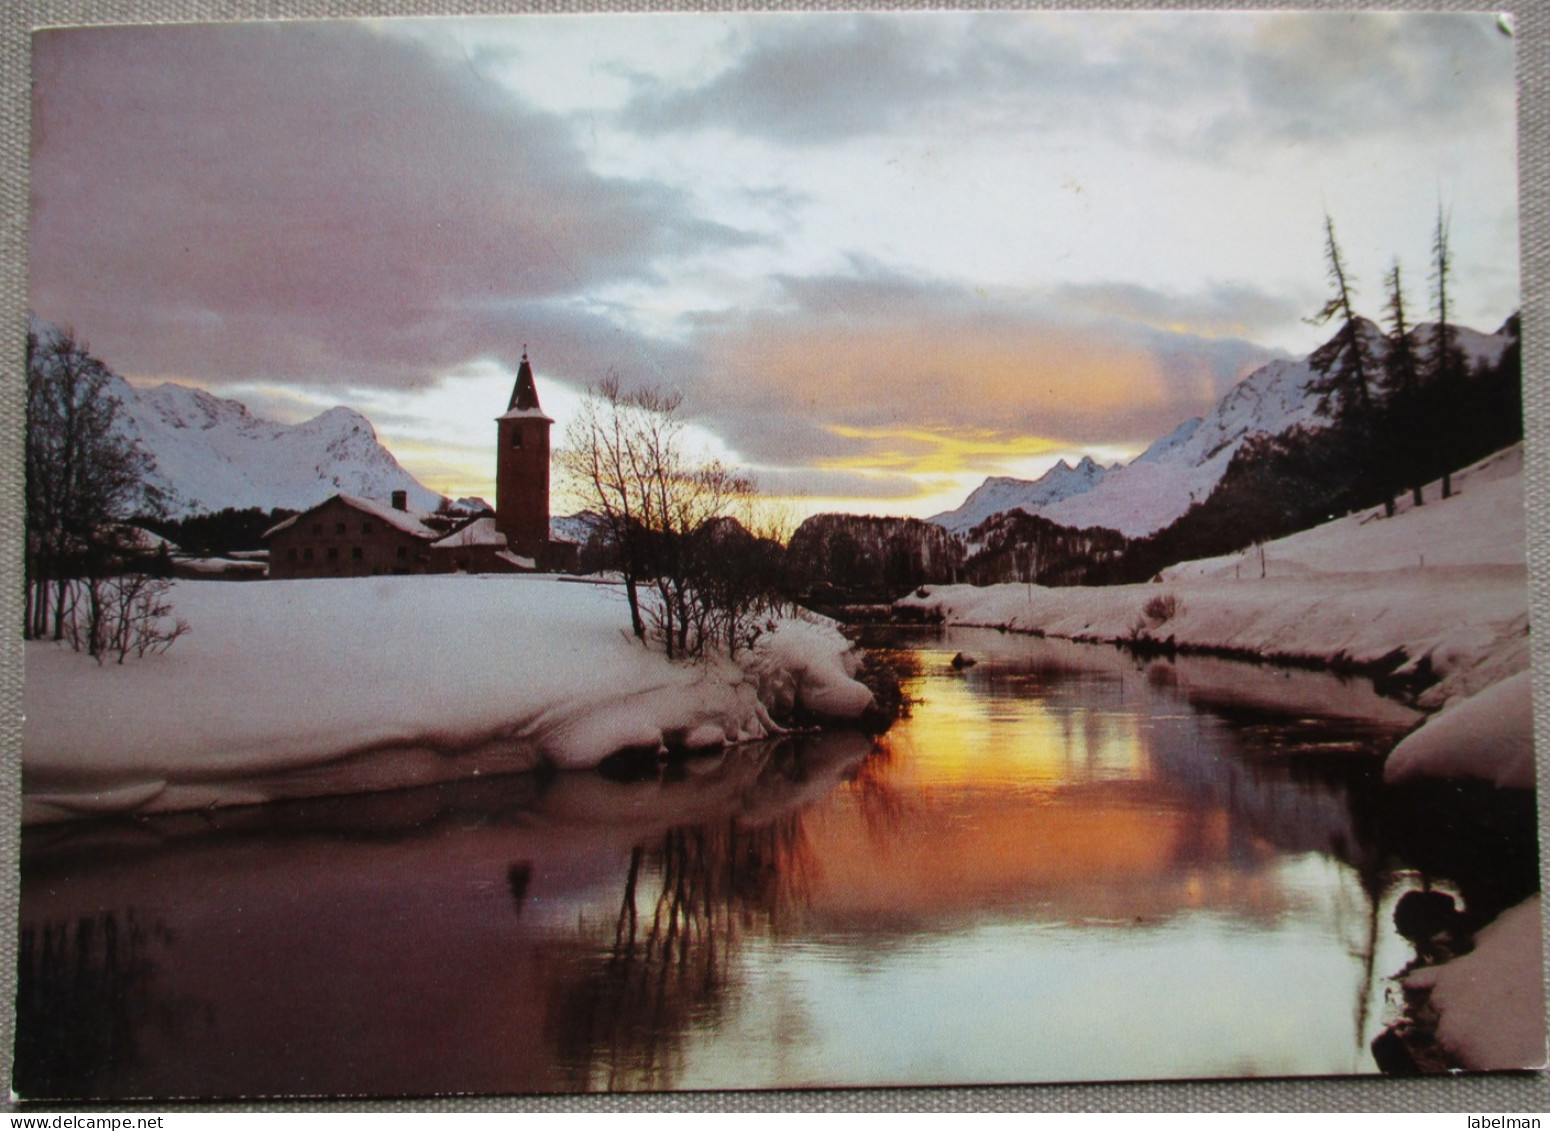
column 119, row 616
column 1161, row 609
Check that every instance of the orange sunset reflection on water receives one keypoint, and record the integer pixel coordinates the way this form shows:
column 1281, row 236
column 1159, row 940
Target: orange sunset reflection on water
column 993, row 795
column 1065, row 864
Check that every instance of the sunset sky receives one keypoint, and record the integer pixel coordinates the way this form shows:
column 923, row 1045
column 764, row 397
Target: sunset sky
column 881, row 255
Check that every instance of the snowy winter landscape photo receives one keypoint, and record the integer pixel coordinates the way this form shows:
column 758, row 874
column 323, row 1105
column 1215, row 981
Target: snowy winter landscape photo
column 601, row 553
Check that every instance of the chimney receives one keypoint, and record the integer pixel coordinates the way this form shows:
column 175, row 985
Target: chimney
column 401, row 500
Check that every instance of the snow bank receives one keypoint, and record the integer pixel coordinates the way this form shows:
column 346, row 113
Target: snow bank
column 807, row 667
column 1489, row 735
column 1445, row 583
column 1472, row 630
column 1485, row 1019
column 295, row 688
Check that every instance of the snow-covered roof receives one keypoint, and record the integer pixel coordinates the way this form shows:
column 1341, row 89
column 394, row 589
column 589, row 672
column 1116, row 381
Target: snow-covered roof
column 524, row 396
column 217, row 566
column 388, row 513
column 520, row 562
column 479, row 532
column 144, row 541
column 401, row 520
column 526, row 414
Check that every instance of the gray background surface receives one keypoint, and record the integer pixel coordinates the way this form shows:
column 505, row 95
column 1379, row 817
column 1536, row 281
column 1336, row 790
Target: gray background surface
column 1501, row 1093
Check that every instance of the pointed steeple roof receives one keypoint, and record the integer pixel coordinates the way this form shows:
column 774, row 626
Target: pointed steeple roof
column 524, row 395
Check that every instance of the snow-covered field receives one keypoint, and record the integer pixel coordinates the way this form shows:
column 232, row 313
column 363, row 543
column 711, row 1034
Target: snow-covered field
column 294, row 688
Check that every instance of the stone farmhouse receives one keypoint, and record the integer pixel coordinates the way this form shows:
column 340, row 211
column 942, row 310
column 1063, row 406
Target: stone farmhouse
column 350, row 536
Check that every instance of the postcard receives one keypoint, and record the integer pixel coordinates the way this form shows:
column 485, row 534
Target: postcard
column 646, row 552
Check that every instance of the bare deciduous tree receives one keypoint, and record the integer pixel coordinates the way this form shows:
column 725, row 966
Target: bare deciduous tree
column 694, row 575
column 83, row 480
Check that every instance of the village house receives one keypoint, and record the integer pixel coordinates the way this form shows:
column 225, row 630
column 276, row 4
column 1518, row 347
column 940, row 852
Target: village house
column 350, row 536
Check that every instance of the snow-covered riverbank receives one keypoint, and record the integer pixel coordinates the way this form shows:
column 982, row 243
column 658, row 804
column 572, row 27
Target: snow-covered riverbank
column 293, row 688
column 1444, row 584
column 1485, row 1009
column 1439, row 591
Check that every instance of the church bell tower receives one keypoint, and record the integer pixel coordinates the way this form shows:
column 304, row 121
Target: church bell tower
column 522, row 468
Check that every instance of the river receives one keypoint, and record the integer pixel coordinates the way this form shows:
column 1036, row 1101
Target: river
column 1066, row 863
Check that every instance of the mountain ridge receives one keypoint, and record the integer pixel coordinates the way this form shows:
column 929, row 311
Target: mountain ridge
column 212, row 453
column 1184, row 465
column 1002, row 493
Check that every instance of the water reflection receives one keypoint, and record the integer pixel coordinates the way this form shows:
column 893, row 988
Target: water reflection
column 623, row 1022
column 1064, row 864
column 84, row 991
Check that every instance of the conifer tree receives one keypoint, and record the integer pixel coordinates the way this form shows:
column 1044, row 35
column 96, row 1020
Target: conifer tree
column 1445, row 363
column 1345, row 364
column 1401, row 370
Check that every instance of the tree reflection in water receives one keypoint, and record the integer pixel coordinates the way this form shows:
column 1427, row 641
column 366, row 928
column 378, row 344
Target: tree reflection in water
column 627, row 1012
column 83, row 989
column 881, row 804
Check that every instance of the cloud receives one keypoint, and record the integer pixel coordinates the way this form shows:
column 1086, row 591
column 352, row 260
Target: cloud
column 1205, row 82
column 800, row 80
column 1238, row 310
column 872, row 369
column 877, row 485
column 819, row 79
column 1346, row 74
column 280, row 202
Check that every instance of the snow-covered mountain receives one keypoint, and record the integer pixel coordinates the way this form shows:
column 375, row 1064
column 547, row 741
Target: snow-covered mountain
column 1184, row 466
column 212, row 453
column 575, row 528
column 1001, row 493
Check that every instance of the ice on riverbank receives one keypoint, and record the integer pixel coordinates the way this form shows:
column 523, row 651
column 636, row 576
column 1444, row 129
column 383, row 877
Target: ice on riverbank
column 302, row 687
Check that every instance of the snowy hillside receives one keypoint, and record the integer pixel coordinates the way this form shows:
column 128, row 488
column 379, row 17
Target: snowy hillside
column 212, row 453
column 1184, row 466
column 1001, row 493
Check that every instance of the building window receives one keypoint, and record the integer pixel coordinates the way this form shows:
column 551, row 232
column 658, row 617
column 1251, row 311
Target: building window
column 317, row 528
column 368, row 528
column 291, row 553
column 355, row 553
column 307, row 553
column 333, row 553
column 403, row 553
column 338, row 528
column 516, row 437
